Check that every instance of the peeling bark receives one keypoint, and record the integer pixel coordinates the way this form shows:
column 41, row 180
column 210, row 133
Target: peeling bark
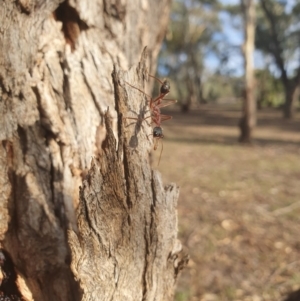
column 129, row 229
column 56, row 60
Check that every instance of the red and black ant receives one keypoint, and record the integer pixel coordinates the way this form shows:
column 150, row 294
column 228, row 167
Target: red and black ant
column 155, row 104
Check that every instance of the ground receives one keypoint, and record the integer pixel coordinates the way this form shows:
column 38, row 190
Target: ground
column 239, row 205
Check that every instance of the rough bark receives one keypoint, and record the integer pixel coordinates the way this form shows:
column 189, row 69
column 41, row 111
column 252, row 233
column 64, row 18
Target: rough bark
column 56, row 60
column 248, row 120
column 130, row 228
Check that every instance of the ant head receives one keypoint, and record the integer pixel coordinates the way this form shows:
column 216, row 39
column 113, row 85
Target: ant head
column 165, row 87
column 157, row 132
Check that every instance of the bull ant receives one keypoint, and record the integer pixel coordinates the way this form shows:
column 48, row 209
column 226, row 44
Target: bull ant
column 155, row 104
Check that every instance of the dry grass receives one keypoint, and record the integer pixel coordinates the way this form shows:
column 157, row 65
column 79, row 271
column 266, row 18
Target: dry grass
column 239, row 206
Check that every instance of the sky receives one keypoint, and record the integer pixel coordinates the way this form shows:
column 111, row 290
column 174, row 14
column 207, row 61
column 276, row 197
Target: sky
column 230, row 41
column 234, row 36
column 231, row 36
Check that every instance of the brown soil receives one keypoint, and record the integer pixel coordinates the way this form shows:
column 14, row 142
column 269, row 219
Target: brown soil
column 239, row 206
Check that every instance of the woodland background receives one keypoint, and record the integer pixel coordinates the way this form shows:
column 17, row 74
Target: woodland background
column 239, row 203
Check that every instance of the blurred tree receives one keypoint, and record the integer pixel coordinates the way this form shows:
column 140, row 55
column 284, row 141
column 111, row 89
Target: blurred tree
column 270, row 91
column 220, row 87
column 278, row 34
column 248, row 120
column 192, row 26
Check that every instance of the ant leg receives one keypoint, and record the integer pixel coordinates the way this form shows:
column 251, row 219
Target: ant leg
column 166, row 104
column 165, row 117
column 156, row 100
column 156, row 78
column 149, row 100
column 138, row 89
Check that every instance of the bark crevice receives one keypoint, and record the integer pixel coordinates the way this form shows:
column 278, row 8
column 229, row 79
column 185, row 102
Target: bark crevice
column 56, row 85
column 142, row 246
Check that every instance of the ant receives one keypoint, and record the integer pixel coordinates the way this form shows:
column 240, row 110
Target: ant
column 155, row 105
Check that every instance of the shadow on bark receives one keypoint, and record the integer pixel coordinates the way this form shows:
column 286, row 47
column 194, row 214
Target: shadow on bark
column 127, row 220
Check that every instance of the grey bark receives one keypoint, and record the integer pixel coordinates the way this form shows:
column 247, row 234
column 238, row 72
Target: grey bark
column 56, row 61
column 248, row 120
column 129, row 228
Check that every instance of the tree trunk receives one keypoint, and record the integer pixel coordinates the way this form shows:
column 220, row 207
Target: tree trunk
column 291, row 95
column 130, row 228
column 56, row 61
column 248, row 120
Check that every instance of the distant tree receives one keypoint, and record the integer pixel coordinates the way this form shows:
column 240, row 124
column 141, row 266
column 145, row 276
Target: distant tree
column 218, row 86
column 192, row 26
column 269, row 89
column 248, row 120
column 278, row 35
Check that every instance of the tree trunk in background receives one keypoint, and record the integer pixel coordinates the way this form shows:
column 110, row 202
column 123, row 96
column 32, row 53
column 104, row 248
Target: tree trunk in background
column 291, row 90
column 248, row 120
column 56, row 61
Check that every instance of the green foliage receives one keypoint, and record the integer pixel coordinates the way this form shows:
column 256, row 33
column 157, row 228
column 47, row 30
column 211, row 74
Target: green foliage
column 277, row 32
column 222, row 87
column 182, row 296
column 191, row 28
column 233, row 9
column 278, row 35
column 269, row 90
